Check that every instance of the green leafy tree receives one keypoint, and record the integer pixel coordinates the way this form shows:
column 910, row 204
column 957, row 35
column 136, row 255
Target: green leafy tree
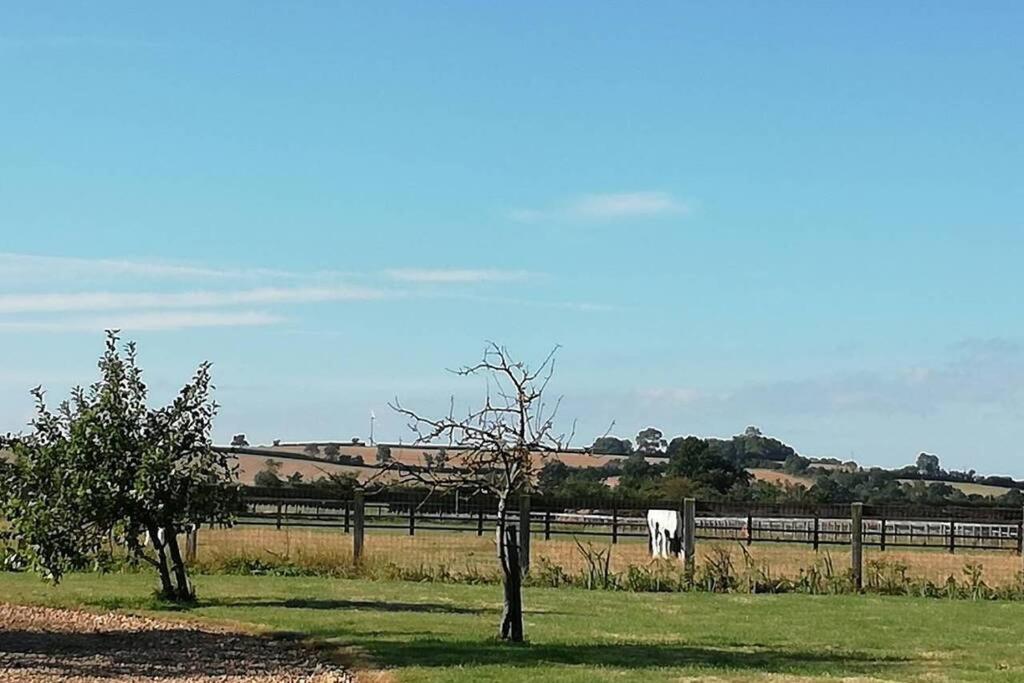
column 928, row 465
column 610, row 445
column 650, row 441
column 337, row 482
column 638, row 475
column 270, row 475
column 105, row 465
column 552, row 475
column 691, row 458
column 558, row 479
column 795, row 464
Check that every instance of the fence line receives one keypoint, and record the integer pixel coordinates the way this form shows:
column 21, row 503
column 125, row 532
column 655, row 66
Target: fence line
column 620, row 519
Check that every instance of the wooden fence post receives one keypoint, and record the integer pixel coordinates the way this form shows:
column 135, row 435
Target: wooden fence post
column 278, row 516
column 412, row 519
column 1020, row 535
column 750, row 528
column 689, row 536
column 358, row 518
column 881, row 542
column 817, row 531
column 952, row 535
column 547, row 525
column 480, row 521
column 524, row 532
column 615, row 523
column 857, row 544
column 348, row 508
column 191, row 544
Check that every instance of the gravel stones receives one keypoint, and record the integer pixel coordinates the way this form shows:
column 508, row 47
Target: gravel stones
column 46, row 645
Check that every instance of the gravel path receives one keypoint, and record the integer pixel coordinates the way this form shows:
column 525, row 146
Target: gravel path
column 39, row 644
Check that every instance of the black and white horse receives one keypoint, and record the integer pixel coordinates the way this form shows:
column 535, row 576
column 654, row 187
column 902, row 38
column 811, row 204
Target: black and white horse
column 665, row 528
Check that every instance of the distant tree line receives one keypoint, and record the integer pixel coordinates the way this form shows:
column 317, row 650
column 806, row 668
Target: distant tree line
column 270, row 477
column 717, row 469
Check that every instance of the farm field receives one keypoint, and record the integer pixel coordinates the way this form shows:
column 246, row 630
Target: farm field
column 779, row 477
column 250, row 465
column 408, row 632
column 968, row 488
column 467, row 552
column 292, row 460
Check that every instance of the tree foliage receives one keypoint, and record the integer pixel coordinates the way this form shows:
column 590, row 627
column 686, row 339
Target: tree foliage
column 270, row 475
column 693, row 459
column 610, row 445
column 651, row 441
column 104, row 465
column 928, row 465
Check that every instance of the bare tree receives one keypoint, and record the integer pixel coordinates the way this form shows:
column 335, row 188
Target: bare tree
column 494, row 449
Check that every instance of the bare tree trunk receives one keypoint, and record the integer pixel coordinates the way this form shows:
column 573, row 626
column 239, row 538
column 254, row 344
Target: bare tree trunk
column 512, row 614
column 511, row 627
column 166, row 587
column 180, row 573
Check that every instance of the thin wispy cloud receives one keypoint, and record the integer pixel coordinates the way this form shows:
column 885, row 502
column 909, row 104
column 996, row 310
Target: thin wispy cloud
column 457, row 275
column 579, row 306
column 46, row 293
column 106, row 301
column 21, row 267
column 145, row 321
column 597, row 208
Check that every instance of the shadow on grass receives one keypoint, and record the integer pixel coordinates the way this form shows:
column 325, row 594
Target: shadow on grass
column 373, row 605
column 736, row 658
column 155, row 604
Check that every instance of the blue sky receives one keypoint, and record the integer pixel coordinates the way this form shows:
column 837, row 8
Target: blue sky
column 803, row 216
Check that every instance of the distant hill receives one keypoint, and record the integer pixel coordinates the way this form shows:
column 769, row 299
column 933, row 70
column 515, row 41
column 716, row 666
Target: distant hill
column 295, row 458
column 299, row 457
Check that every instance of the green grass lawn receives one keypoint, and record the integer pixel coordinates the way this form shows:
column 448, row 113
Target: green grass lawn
column 435, row 632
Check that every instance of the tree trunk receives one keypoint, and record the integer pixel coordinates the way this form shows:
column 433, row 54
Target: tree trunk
column 166, row 587
column 178, row 565
column 512, row 615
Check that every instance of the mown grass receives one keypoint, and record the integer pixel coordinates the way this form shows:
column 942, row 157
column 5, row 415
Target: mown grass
column 440, row 632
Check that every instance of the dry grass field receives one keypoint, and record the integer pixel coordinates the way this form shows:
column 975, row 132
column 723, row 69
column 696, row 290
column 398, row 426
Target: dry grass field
column 467, row 552
column 780, row 477
column 291, row 461
column 250, row 464
column 412, row 455
column 967, row 488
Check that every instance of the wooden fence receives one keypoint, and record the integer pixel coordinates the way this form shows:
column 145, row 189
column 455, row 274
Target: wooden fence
column 620, row 519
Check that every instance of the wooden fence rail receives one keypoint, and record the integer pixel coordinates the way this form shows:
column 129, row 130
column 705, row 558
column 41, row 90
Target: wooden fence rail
column 856, row 526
